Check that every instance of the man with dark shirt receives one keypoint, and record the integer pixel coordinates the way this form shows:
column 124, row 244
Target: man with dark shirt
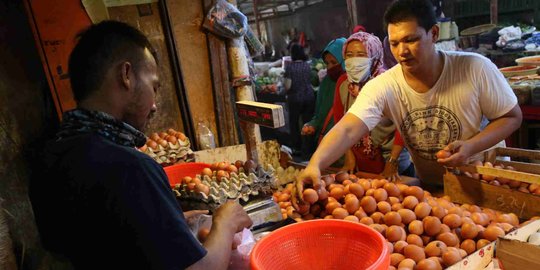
column 98, row 200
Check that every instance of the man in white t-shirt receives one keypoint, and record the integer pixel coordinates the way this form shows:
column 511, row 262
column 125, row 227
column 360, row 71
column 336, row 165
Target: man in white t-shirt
column 437, row 99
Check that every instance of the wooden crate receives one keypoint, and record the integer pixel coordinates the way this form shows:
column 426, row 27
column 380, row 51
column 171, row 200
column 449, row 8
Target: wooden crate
column 463, row 189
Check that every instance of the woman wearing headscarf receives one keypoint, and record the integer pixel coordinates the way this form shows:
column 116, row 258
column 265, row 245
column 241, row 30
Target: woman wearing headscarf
column 323, row 119
column 381, row 151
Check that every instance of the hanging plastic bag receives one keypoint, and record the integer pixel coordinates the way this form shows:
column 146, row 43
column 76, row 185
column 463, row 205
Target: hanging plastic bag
column 254, row 45
column 206, row 137
column 225, row 20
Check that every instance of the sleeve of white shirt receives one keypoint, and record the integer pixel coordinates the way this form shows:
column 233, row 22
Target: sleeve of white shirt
column 496, row 95
column 369, row 104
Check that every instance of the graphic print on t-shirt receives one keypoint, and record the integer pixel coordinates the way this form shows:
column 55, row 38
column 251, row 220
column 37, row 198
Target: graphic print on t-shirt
column 428, row 130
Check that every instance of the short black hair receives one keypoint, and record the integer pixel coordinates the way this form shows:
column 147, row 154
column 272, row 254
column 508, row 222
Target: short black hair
column 297, row 53
column 100, row 47
column 420, row 10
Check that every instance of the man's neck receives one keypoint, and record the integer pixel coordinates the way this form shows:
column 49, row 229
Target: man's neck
column 423, row 79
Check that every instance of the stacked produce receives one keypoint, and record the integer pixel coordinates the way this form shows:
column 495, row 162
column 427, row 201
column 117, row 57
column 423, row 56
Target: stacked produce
column 503, row 182
column 168, row 148
column 223, row 181
column 423, row 232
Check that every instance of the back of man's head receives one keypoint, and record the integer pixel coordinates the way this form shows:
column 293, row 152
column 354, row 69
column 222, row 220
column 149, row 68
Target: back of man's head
column 101, row 47
column 404, row 10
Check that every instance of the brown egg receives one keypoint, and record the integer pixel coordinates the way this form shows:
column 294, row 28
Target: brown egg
column 380, row 195
column 394, row 233
column 422, row 210
column 432, row 225
column 448, row 238
column 377, row 217
column 323, row 194
column 475, row 209
column 340, row 177
column 393, row 200
column 369, row 204
column 416, row 227
column 415, row 191
column 352, row 204
column 426, row 239
column 452, row 220
column 366, row 221
column 360, row 213
column 427, row 264
column 451, row 257
column 481, row 230
column 356, row 189
column 379, row 228
column 392, row 189
column 414, row 252
column 315, row 210
column 435, row 248
column 384, row 207
column 438, row 261
column 469, row 231
column 303, row 208
column 399, row 246
column 310, row 196
column 370, row 192
column 392, row 218
column 207, row 171
column 337, row 193
column 413, row 239
column 365, row 184
column 340, row 213
column 346, row 183
column 493, row 232
column 352, row 219
column 482, row 243
column 407, row 264
column 456, row 210
column 444, row 228
column 480, row 218
column 439, row 212
column 410, row 202
column 396, row 258
column 221, row 174
column 331, row 206
column 407, row 216
column 468, row 245
column 397, row 206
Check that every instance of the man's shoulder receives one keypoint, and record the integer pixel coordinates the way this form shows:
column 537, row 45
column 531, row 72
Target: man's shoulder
column 387, row 78
column 465, row 58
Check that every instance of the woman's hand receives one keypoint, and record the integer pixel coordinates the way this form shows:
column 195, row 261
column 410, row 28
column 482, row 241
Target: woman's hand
column 308, row 130
column 390, row 171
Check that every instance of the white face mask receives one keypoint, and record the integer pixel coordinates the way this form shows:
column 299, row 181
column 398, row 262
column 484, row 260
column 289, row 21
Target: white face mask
column 358, row 69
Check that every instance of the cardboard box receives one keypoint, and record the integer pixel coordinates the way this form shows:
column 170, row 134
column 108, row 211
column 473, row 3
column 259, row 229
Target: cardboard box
column 513, row 251
column 476, row 261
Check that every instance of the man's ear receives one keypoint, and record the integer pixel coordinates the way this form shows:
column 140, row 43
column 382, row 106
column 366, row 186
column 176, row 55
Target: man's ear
column 126, row 74
column 435, row 33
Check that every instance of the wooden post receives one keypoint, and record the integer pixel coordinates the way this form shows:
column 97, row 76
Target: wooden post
column 353, row 16
column 238, row 62
column 494, row 11
column 256, row 13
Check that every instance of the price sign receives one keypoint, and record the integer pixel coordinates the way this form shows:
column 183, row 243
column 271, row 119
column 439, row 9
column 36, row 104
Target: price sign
column 264, row 114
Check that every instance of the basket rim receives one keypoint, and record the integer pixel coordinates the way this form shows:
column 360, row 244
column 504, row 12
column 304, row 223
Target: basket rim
column 329, row 222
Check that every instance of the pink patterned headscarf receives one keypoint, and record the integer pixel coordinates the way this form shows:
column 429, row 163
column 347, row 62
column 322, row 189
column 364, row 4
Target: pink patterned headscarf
column 374, row 49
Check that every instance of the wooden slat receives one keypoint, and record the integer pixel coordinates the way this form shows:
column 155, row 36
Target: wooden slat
column 463, row 189
column 518, row 153
column 514, row 175
column 522, row 166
